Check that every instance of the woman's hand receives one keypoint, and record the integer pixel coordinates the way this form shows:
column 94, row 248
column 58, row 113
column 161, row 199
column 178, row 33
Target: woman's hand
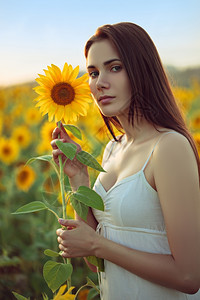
column 75, row 170
column 78, row 240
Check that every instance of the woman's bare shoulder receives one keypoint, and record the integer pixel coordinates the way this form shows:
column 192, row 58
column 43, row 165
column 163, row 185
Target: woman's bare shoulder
column 174, row 149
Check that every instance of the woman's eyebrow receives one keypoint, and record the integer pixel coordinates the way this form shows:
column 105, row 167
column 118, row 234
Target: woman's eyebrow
column 105, row 63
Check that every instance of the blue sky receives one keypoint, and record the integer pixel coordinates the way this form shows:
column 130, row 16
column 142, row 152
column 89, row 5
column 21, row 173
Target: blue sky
column 36, row 33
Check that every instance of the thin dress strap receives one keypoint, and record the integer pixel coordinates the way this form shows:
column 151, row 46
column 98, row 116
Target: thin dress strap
column 155, row 147
column 111, row 149
column 112, row 146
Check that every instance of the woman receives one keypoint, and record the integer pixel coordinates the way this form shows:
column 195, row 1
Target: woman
column 149, row 233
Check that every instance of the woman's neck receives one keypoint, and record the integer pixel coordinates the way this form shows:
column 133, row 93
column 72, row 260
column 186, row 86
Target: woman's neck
column 140, row 131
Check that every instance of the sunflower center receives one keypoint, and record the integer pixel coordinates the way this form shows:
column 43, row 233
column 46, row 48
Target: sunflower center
column 23, row 176
column 20, row 138
column 62, row 93
column 6, row 151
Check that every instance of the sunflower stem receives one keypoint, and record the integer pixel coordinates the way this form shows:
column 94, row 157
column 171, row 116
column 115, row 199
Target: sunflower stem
column 62, row 190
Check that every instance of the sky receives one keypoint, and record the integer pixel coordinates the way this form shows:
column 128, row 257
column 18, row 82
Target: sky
column 35, row 34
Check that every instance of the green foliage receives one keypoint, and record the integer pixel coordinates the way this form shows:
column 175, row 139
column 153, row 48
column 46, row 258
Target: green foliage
column 20, row 297
column 43, row 157
column 68, row 149
column 89, row 160
column 96, row 261
column 92, row 284
column 92, row 294
column 74, row 130
column 80, row 208
column 51, row 253
column 31, row 207
column 89, row 197
column 55, row 274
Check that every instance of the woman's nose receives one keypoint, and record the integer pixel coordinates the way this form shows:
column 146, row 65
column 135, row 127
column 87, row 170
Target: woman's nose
column 102, row 82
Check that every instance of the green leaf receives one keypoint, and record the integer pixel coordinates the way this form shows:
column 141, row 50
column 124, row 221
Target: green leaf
column 68, row 149
column 19, row 297
column 55, row 274
column 51, row 253
column 44, row 296
column 44, row 158
column 91, row 283
column 92, row 294
column 89, row 197
column 89, row 160
column 74, row 130
column 31, row 207
column 96, row 261
column 80, row 208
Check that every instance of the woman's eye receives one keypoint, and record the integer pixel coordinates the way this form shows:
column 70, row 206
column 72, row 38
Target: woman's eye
column 116, row 68
column 93, row 74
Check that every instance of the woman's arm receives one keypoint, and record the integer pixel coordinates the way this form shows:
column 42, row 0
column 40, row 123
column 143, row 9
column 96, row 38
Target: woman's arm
column 76, row 172
column 177, row 182
column 91, row 221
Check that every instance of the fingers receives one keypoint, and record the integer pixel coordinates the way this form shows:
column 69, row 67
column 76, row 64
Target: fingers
column 60, row 131
column 55, row 133
column 53, row 143
column 70, row 223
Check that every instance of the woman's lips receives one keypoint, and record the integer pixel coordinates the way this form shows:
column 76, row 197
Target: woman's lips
column 106, row 99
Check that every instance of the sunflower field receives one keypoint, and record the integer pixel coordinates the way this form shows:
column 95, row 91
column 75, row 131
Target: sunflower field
column 24, row 133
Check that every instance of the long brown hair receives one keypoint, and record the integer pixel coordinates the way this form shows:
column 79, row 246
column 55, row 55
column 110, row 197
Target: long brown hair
column 152, row 96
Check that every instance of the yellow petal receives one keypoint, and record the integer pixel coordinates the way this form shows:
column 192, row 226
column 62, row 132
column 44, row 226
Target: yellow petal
column 80, row 91
column 45, row 108
column 61, row 290
column 78, row 108
column 57, row 71
column 87, row 99
column 80, row 80
column 52, row 111
column 38, row 98
column 54, row 74
column 49, row 75
column 67, row 113
column 45, row 77
column 45, row 82
column 65, row 72
column 59, row 113
column 41, row 90
column 50, row 117
column 74, row 74
column 42, row 102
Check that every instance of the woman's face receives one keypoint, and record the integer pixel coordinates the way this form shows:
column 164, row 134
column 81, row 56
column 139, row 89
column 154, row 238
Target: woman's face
column 108, row 80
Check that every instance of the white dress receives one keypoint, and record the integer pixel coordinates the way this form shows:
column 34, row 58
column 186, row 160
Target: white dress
column 133, row 218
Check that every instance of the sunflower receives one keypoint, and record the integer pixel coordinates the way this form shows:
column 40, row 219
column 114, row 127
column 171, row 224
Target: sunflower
column 1, row 122
column 64, row 296
column 25, row 178
column 50, row 186
column 46, row 131
column 22, row 136
column 43, row 147
column 32, row 116
column 196, row 137
column 195, row 121
column 62, row 95
column 9, row 150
